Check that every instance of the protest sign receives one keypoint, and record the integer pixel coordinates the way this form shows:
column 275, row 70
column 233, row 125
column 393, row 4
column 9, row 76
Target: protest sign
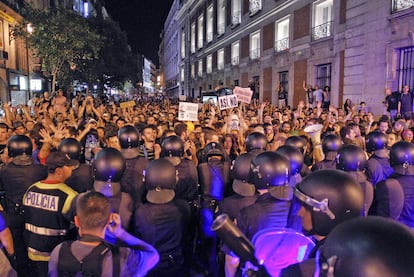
column 187, row 111
column 227, row 102
column 243, row 94
column 128, row 104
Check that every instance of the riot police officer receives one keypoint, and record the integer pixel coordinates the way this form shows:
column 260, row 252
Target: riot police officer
column 330, row 147
column 131, row 182
column 378, row 165
column 81, row 179
column 256, row 142
column 395, row 196
column 352, row 159
column 301, row 143
column 295, row 158
column 15, row 178
column 370, row 246
column 162, row 222
column 108, row 169
column 328, row 198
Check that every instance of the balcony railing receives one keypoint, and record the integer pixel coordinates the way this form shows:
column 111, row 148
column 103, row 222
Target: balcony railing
column 221, row 28
column 322, row 31
column 399, row 5
column 236, row 18
column 282, row 44
column 255, row 54
column 235, row 60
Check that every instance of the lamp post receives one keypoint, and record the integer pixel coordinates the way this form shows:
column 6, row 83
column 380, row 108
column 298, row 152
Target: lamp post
column 29, row 29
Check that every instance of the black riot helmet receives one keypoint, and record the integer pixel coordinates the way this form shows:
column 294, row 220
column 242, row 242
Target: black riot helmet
column 351, row 158
column 109, row 165
column 297, row 142
column 256, row 141
column 71, row 147
column 402, row 153
column 269, row 169
column 332, row 196
column 376, row 141
column 172, row 146
column 331, row 143
column 369, row 246
column 19, row 145
column 214, row 149
column 160, row 178
column 294, row 156
column 240, row 173
column 128, row 137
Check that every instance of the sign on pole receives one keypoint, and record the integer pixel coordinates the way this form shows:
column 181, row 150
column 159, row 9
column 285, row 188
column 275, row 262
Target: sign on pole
column 187, row 111
column 227, row 102
column 243, row 94
column 128, row 104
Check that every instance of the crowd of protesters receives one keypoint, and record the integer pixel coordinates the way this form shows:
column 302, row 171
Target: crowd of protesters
column 97, row 124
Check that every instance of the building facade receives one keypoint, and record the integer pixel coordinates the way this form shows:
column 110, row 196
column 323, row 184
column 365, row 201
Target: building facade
column 356, row 47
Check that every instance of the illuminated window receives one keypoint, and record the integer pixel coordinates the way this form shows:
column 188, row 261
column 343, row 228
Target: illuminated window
column 209, row 64
column 221, row 17
column 192, row 71
column 255, row 45
column 200, row 68
column 209, row 26
column 255, row 6
column 235, row 12
column 322, row 19
column 220, row 59
column 323, row 75
column 193, row 43
column 182, row 44
column 200, row 31
column 235, row 48
column 282, row 35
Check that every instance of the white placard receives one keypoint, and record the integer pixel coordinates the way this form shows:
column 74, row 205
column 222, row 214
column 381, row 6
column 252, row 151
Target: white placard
column 187, row 111
column 227, row 102
column 243, row 94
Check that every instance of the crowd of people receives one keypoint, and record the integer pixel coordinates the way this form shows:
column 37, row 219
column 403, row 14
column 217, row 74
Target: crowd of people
column 97, row 187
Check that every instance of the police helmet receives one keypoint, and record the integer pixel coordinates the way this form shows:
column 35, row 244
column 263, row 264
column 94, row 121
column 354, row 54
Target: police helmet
column 160, row 178
column 128, row 137
column 269, row 169
column 71, row 147
column 19, row 145
column 332, row 196
column 369, row 246
column 331, row 143
column 297, row 142
column 376, row 141
column 351, row 158
column 294, row 156
column 109, row 165
column 240, row 173
column 256, row 141
column 214, row 149
column 402, row 153
column 172, row 146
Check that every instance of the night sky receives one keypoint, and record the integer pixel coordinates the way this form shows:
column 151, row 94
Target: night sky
column 143, row 21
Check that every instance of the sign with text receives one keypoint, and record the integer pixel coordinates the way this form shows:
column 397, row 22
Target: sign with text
column 243, row 94
column 187, row 111
column 128, row 104
column 227, row 102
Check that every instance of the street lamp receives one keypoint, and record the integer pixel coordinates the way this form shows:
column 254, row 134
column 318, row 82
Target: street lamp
column 29, row 29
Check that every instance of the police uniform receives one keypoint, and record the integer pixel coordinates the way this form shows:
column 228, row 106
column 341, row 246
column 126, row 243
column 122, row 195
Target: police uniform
column 49, row 208
column 378, row 169
column 81, row 179
column 131, row 181
column 187, row 184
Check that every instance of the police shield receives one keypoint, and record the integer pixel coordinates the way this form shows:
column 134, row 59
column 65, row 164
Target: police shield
column 276, row 249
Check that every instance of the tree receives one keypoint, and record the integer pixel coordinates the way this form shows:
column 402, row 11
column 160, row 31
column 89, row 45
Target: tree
column 60, row 37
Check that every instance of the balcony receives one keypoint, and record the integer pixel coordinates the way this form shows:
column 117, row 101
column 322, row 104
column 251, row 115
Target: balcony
column 221, row 28
column 399, row 5
column 322, row 31
column 255, row 53
column 235, row 60
column 236, row 18
column 282, row 44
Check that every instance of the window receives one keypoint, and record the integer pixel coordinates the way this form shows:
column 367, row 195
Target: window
column 284, row 80
column 282, row 35
column 235, row 48
column 406, row 67
column 323, row 75
column 182, row 44
column 209, row 64
column 235, row 12
column 399, row 5
column 220, row 59
column 236, row 83
column 221, row 17
column 255, row 45
column 193, row 43
column 255, row 6
column 182, row 74
column 200, row 31
column 192, row 71
column 209, row 23
column 200, row 68
column 322, row 19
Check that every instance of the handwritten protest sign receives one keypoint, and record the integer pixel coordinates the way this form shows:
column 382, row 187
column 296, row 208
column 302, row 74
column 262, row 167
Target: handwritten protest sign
column 128, row 104
column 187, row 111
column 243, row 94
column 227, row 102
